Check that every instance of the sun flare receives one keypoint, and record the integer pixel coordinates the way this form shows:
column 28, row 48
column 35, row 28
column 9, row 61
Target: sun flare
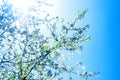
column 25, row 4
column 22, row 4
column 23, row 7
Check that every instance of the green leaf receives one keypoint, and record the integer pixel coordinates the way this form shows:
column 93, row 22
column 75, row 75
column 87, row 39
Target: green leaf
column 70, row 78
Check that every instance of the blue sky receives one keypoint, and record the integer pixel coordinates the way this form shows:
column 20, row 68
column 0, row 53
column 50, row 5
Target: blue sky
column 102, row 52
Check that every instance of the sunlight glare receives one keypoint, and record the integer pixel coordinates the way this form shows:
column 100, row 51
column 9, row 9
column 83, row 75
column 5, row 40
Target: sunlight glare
column 23, row 4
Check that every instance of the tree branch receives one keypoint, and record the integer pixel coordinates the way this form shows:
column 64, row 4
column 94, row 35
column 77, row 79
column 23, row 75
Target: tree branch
column 48, row 52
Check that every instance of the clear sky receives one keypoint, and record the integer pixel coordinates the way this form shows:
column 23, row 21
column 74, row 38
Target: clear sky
column 102, row 52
